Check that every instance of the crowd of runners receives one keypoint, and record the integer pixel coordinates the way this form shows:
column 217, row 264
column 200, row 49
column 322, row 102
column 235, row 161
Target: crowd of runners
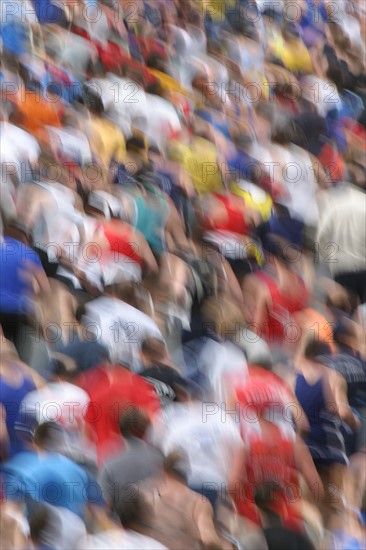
column 183, row 274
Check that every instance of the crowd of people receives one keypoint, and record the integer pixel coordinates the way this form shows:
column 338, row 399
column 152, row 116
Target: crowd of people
column 183, row 274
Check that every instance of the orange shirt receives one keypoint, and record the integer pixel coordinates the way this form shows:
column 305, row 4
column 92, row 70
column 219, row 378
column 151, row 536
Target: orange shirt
column 37, row 112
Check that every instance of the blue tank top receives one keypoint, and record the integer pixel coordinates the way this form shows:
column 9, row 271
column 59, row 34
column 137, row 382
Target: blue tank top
column 311, row 399
column 11, row 398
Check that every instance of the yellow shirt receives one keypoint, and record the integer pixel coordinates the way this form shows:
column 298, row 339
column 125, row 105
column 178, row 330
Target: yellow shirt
column 168, row 82
column 296, row 57
column 199, row 159
column 217, row 8
column 107, row 141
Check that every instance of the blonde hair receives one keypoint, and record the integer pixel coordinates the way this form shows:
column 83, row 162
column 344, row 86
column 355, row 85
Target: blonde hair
column 224, row 316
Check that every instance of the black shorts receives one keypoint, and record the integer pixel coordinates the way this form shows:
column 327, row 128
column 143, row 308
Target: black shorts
column 50, row 268
column 240, row 267
column 81, row 295
column 15, row 327
column 354, row 281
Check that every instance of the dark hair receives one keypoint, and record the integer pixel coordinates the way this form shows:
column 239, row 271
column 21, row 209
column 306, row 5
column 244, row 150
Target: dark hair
column 48, row 435
column 39, row 520
column 16, row 230
column 315, row 349
column 276, row 246
column 34, row 85
column 345, row 329
column 134, row 423
column 264, row 497
column 193, row 16
column 54, row 88
column 154, row 349
column 335, row 74
column 8, row 108
column 155, row 88
column 135, row 144
column 265, row 110
column 132, row 511
column 278, row 538
column 156, row 62
column 174, row 465
column 264, row 362
column 93, row 101
column 154, row 150
column 289, row 132
column 126, row 292
column 59, row 368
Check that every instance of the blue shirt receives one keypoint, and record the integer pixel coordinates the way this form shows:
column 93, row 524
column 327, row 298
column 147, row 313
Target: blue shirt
column 14, row 34
column 11, row 398
column 17, row 261
column 51, row 478
column 48, row 12
column 242, row 166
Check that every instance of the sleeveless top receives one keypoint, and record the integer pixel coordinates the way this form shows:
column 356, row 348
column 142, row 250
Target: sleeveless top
column 151, row 215
column 324, row 441
column 283, row 305
column 311, row 398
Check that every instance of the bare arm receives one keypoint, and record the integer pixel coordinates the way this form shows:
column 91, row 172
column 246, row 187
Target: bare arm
column 338, row 386
column 258, row 299
column 321, row 177
column 203, row 515
column 232, row 283
column 4, row 436
column 42, row 281
column 306, row 466
column 175, row 227
column 145, row 253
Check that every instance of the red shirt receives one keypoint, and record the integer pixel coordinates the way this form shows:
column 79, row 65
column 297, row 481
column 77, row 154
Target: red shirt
column 263, row 390
column 234, row 222
column 284, row 304
column 120, row 240
column 271, row 462
column 113, row 390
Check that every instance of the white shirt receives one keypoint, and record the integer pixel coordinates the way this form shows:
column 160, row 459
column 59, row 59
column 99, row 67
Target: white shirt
column 299, row 180
column 291, row 167
column 111, row 268
column 322, row 93
column 206, row 435
column 55, row 223
column 341, row 234
column 65, row 404
column 129, row 98
column 17, row 145
column 120, row 327
column 71, row 143
column 117, row 539
column 93, row 20
column 224, row 364
column 159, row 120
column 57, row 402
column 73, row 51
